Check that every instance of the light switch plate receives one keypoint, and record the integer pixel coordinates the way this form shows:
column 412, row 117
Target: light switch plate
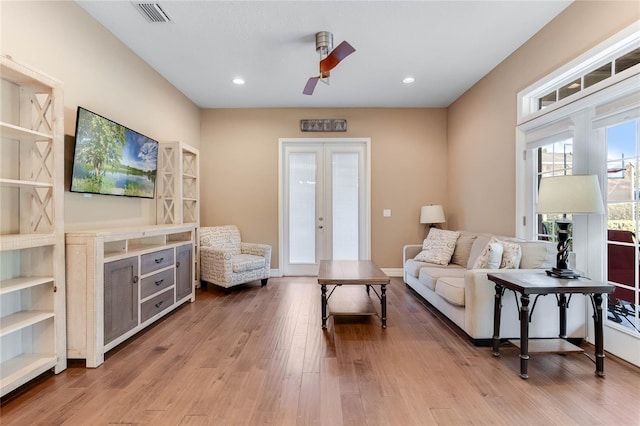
column 386, row 213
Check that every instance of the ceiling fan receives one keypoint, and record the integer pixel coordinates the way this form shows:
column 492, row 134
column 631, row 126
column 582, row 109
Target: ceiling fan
column 329, row 58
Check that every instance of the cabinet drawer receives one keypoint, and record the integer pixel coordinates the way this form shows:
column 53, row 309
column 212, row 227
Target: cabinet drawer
column 157, row 260
column 156, row 282
column 156, row 305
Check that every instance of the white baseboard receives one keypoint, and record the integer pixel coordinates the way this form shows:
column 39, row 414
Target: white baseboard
column 275, row 273
column 392, row 272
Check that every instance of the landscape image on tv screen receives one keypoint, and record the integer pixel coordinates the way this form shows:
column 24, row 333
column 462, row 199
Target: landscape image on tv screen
column 112, row 159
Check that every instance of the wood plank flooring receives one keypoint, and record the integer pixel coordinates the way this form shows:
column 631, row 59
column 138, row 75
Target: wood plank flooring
column 258, row 356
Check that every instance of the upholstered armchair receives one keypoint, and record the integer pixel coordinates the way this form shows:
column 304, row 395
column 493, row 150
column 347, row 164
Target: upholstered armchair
column 226, row 261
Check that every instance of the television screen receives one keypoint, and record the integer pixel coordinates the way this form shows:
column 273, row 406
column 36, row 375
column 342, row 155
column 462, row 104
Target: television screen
column 112, row 159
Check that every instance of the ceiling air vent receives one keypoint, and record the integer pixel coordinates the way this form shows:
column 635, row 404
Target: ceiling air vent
column 153, row 12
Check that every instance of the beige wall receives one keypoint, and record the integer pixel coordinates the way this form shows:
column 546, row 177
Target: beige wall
column 462, row 157
column 239, row 149
column 481, row 123
column 101, row 74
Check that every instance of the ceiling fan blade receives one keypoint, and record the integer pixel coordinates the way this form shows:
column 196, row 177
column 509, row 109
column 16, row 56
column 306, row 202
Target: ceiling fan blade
column 341, row 51
column 310, row 86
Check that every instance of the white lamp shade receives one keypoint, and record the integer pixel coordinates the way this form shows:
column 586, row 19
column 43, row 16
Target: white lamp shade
column 578, row 194
column 432, row 214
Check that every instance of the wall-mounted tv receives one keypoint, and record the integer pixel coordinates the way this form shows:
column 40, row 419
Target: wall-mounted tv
column 112, row 159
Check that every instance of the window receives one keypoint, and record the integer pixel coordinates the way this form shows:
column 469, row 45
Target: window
column 586, row 78
column 622, row 142
column 554, row 159
column 613, row 61
column 585, row 119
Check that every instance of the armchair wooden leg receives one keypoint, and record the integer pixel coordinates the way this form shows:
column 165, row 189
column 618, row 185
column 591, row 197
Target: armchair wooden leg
column 264, row 281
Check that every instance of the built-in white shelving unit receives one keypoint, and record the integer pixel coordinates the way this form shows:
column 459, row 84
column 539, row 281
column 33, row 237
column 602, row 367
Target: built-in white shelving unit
column 178, row 186
column 32, row 259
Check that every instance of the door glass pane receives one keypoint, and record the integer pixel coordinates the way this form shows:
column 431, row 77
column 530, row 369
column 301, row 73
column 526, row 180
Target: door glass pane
column 345, row 205
column 622, row 223
column 302, row 207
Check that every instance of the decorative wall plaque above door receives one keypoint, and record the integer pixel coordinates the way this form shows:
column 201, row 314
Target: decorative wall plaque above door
column 324, row 125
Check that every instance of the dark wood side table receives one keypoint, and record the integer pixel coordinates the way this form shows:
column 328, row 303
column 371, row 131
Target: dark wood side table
column 540, row 284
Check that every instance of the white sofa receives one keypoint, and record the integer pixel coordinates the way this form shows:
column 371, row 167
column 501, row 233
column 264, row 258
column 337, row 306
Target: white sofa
column 465, row 295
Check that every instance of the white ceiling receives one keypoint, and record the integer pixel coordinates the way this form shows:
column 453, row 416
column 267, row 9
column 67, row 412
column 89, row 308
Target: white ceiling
column 446, row 45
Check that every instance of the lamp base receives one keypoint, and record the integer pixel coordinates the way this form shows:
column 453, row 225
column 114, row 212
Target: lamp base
column 562, row 273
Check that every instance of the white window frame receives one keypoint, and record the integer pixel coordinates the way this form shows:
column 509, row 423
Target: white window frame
column 625, row 41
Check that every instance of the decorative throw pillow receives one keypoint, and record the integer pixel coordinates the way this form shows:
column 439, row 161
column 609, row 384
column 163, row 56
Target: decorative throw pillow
column 438, row 246
column 463, row 249
column 511, row 255
column 490, row 257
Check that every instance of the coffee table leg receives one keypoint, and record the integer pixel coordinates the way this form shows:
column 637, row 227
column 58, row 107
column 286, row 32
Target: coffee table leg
column 524, row 336
column 383, row 304
column 324, row 305
column 368, row 289
column 497, row 307
column 597, row 322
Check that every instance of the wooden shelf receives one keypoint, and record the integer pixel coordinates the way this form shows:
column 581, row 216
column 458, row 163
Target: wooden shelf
column 19, row 370
column 21, row 283
column 549, row 346
column 24, row 183
column 20, row 320
column 25, row 241
column 11, row 131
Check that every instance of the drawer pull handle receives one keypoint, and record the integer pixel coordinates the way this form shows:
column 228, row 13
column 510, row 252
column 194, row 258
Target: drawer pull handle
column 159, row 303
column 159, row 260
column 135, row 279
column 159, row 281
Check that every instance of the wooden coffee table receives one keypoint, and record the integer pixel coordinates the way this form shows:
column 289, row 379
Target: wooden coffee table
column 352, row 272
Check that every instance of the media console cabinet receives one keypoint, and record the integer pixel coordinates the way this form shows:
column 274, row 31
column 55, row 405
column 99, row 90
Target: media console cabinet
column 120, row 281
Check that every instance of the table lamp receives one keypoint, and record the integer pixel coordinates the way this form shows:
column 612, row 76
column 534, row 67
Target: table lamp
column 432, row 215
column 575, row 194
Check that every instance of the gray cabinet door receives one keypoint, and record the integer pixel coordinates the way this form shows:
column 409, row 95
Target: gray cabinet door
column 184, row 263
column 120, row 297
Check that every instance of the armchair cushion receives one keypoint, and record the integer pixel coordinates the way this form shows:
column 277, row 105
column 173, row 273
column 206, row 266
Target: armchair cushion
column 246, row 262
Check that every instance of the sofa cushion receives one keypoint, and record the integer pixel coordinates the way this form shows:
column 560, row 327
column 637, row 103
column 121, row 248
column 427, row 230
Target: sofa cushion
column 477, row 248
column 463, row 249
column 511, row 255
column 538, row 254
column 438, row 247
column 451, row 289
column 429, row 275
column 412, row 267
column 247, row 262
column 491, row 256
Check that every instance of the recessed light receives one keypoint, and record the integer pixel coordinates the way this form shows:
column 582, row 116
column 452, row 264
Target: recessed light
column 239, row 81
column 408, row 80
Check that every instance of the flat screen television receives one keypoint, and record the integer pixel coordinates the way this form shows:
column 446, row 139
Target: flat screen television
column 112, row 159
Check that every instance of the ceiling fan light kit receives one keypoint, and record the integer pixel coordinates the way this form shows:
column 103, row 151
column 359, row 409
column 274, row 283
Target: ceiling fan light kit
column 329, row 58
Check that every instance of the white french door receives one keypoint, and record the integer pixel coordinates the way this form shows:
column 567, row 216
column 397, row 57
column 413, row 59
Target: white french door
column 324, row 202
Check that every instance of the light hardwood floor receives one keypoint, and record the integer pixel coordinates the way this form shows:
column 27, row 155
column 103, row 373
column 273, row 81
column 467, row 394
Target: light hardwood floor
column 259, row 356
